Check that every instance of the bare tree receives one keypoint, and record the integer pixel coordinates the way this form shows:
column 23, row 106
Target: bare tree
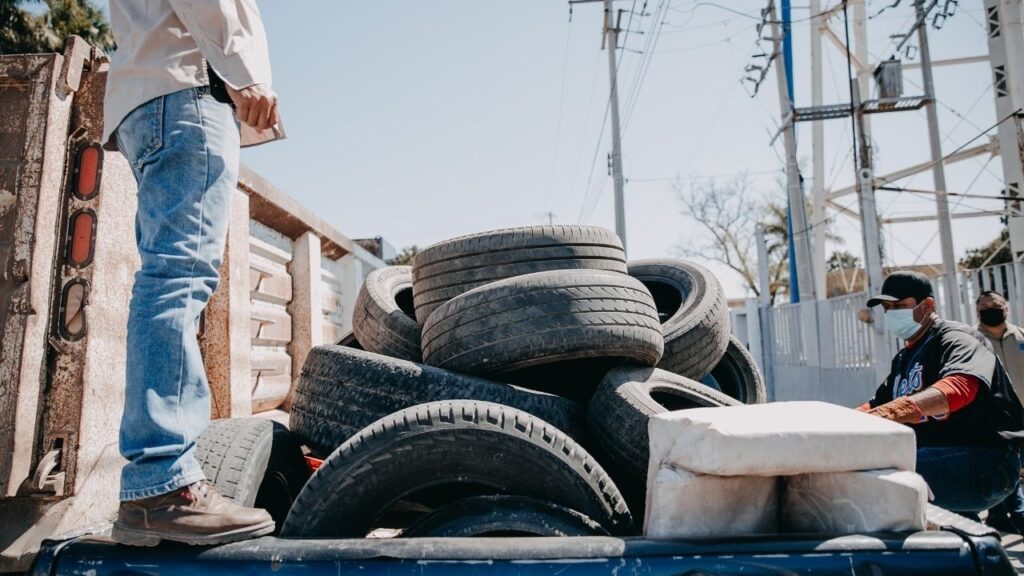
column 729, row 211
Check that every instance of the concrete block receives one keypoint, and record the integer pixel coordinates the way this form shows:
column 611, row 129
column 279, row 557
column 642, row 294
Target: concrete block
column 847, row 502
column 779, row 439
column 682, row 504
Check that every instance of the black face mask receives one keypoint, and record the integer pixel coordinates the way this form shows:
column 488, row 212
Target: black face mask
column 992, row 316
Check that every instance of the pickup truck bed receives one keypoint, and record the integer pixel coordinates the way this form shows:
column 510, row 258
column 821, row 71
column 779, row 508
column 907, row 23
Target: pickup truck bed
column 947, row 552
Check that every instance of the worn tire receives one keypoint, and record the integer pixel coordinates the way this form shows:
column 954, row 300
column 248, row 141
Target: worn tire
column 444, row 270
column 341, row 391
column 738, row 376
column 287, row 472
column 693, row 310
column 457, row 442
column 483, row 516
column 383, row 320
column 543, row 319
column 620, row 410
column 234, row 453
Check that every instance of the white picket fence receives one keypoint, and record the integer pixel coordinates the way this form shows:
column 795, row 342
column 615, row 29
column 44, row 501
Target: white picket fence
column 822, row 350
column 1003, row 278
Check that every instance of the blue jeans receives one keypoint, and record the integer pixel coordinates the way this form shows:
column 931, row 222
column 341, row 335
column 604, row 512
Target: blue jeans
column 1014, row 504
column 183, row 150
column 969, row 479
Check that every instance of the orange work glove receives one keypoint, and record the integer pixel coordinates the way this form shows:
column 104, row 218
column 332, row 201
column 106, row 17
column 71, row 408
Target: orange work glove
column 902, row 410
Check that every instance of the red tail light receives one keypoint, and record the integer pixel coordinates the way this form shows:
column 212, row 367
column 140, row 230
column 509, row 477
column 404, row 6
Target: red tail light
column 88, row 171
column 81, row 238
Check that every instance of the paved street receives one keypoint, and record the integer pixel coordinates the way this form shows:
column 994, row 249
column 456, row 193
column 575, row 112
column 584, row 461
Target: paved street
column 1015, row 548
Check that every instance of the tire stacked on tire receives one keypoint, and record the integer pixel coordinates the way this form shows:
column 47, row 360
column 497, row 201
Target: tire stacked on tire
column 504, row 387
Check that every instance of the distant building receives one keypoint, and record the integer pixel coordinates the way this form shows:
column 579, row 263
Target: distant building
column 377, row 246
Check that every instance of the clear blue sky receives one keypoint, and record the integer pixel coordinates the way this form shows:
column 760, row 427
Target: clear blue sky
column 419, row 120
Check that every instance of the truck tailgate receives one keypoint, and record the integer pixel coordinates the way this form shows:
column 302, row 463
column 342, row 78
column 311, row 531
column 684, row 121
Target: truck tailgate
column 934, row 552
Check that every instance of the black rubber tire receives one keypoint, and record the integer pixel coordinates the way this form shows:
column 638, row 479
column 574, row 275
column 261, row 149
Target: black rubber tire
column 484, row 516
column 693, row 310
column 620, row 410
column 543, row 319
column 287, row 472
column 444, row 270
column 234, row 453
column 455, row 442
column 383, row 320
column 738, row 376
column 341, row 391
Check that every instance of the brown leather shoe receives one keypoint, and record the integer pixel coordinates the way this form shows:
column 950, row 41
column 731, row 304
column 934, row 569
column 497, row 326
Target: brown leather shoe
column 196, row 514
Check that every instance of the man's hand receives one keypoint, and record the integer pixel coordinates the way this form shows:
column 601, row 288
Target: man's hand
column 255, row 105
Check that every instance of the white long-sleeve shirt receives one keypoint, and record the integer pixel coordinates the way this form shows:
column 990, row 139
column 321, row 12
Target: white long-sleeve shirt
column 162, row 46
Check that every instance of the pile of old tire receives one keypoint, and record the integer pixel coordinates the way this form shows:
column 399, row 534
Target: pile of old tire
column 502, row 385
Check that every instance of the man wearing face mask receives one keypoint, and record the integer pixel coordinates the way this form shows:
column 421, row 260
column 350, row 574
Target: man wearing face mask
column 951, row 389
column 1007, row 339
column 1007, row 342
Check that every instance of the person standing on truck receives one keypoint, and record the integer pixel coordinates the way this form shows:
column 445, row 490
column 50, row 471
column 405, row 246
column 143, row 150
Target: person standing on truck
column 1007, row 341
column 183, row 147
column 952, row 390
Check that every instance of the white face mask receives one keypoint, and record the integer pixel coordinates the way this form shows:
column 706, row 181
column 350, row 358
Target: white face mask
column 901, row 323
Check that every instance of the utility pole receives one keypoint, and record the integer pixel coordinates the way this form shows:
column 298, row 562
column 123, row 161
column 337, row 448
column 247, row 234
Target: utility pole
column 952, row 293
column 763, row 308
column 550, row 216
column 860, row 48
column 763, row 277
column 611, row 43
column 870, row 229
column 870, row 226
column 820, row 214
column 798, row 205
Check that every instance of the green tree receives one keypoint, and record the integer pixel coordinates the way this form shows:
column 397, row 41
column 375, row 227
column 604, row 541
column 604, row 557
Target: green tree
column 404, row 258
column 81, row 18
column 995, row 252
column 20, row 31
column 841, row 259
column 25, row 31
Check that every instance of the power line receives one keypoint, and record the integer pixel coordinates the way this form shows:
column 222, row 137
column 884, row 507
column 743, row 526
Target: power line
column 709, row 176
column 753, row 17
column 558, row 129
column 588, row 205
column 629, row 23
column 587, row 116
column 593, row 161
column 677, row 29
column 645, row 62
column 965, row 144
column 725, row 40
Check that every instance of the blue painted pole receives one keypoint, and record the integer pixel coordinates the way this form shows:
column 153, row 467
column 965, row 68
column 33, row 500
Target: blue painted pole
column 787, row 58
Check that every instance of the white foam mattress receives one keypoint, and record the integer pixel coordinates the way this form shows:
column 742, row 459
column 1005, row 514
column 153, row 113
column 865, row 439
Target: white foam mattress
column 681, row 504
column 779, row 439
column 847, row 502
